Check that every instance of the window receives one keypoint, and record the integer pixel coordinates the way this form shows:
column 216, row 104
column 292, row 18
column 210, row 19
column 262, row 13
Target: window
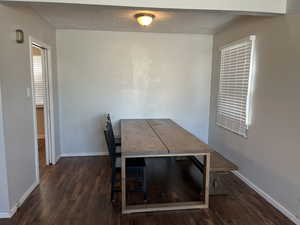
column 39, row 83
column 236, row 74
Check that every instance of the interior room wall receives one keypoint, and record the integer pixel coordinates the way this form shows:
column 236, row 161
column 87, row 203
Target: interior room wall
column 4, row 203
column 293, row 6
column 17, row 106
column 269, row 157
column 130, row 75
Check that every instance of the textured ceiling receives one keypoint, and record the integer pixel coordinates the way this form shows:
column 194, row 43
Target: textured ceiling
column 70, row 16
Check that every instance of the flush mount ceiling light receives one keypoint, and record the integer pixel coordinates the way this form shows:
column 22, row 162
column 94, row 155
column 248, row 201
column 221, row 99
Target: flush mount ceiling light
column 144, row 19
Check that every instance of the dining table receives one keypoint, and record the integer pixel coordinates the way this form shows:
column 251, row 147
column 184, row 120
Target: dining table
column 150, row 138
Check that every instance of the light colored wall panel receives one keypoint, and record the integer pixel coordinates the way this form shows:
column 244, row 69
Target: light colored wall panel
column 293, row 6
column 4, row 203
column 130, row 75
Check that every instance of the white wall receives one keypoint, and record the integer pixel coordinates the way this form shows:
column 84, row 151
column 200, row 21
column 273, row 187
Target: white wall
column 130, row 75
column 293, row 6
column 269, row 157
column 17, row 108
column 4, row 203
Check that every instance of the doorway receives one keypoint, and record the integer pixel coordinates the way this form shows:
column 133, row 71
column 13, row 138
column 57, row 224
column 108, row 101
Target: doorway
column 40, row 55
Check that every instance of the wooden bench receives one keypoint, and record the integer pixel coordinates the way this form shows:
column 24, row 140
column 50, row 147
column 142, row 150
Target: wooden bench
column 218, row 165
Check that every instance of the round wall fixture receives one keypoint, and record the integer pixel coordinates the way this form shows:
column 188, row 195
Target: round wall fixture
column 144, row 19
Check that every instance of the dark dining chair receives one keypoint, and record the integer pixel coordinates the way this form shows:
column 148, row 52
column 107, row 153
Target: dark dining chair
column 135, row 167
column 117, row 139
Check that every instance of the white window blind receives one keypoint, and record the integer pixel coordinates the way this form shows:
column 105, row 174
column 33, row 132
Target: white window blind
column 39, row 82
column 234, row 86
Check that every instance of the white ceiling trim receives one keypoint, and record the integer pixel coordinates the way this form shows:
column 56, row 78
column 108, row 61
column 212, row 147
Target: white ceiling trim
column 258, row 6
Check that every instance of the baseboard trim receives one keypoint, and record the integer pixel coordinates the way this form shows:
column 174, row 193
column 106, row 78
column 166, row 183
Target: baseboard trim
column 4, row 215
column 57, row 158
column 83, row 154
column 268, row 198
column 18, row 204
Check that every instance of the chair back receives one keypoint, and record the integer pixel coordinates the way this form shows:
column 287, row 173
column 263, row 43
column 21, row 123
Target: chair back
column 108, row 117
column 109, row 125
column 110, row 140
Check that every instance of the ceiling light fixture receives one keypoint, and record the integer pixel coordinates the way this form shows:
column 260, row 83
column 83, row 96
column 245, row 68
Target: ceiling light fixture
column 144, row 19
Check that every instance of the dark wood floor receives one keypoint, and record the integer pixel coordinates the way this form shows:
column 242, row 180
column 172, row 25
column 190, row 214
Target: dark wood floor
column 76, row 192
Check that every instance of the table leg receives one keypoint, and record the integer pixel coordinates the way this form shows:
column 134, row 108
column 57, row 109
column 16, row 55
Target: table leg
column 123, row 182
column 206, row 179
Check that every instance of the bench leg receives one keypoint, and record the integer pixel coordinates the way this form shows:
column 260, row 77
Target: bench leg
column 216, row 186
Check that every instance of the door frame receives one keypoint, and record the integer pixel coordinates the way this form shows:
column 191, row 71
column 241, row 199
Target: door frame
column 49, row 120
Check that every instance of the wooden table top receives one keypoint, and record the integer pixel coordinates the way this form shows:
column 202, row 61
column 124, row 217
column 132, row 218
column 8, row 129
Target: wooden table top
column 138, row 138
column 158, row 137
